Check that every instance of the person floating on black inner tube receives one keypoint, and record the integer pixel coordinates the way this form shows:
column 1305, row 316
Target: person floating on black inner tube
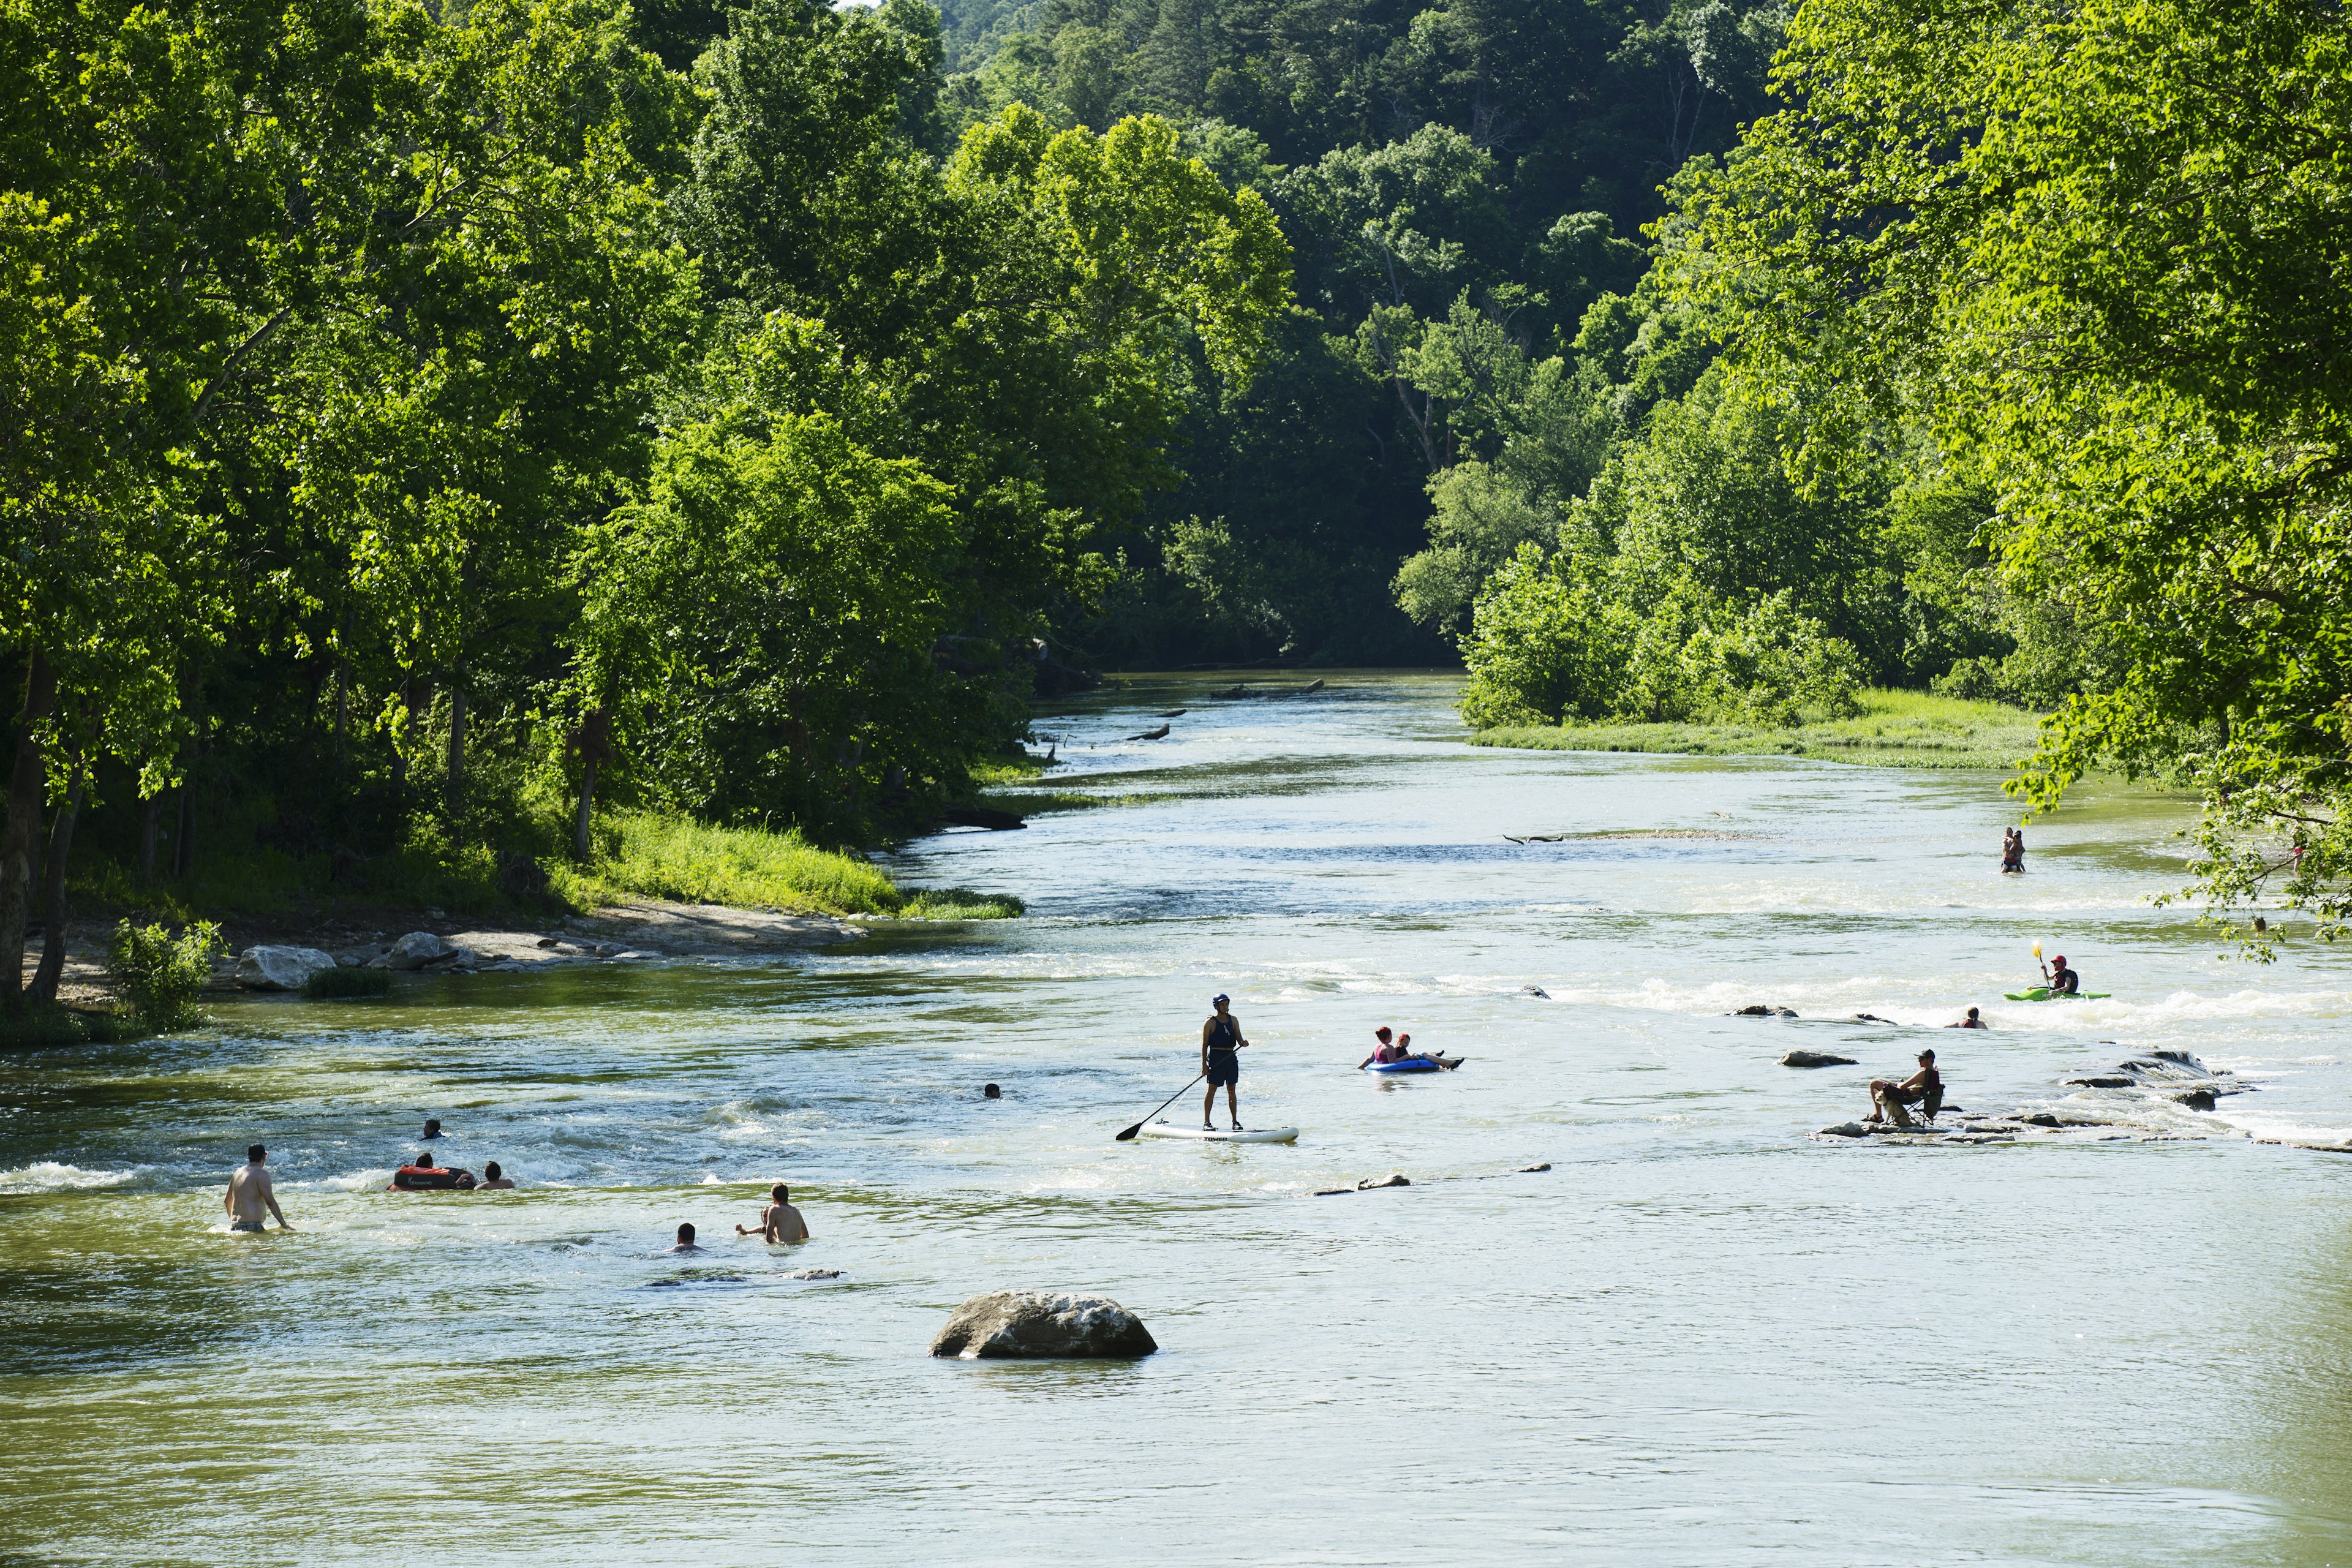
column 1888, row 1097
column 2064, row 982
column 1221, row 1040
column 2012, row 849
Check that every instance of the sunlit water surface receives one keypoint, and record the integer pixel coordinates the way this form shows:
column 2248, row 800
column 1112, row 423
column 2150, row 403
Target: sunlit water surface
column 1702, row 1337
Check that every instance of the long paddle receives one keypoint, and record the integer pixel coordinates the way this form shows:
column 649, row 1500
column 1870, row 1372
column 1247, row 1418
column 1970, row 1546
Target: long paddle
column 1129, row 1136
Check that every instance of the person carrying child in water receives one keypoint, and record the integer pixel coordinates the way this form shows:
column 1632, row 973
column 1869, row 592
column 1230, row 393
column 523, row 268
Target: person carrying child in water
column 1221, row 1039
column 2012, row 849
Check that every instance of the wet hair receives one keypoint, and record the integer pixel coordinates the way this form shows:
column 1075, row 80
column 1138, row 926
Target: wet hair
column 1972, row 1012
column 254, row 1153
column 424, row 1161
column 1381, row 1033
column 491, row 1172
column 1404, row 1039
column 989, row 1092
column 686, row 1233
column 781, row 1193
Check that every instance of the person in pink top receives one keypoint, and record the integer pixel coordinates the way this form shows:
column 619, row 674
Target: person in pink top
column 1386, row 1051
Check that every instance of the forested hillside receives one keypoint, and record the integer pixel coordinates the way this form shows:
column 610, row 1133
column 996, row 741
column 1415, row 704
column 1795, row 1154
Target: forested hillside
column 428, row 428
column 432, row 430
column 1460, row 184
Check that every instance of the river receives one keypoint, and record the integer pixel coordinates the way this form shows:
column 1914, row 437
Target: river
column 1702, row 1336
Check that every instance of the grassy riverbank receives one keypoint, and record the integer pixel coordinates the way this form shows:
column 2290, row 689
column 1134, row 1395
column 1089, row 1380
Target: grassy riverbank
column 1894, row 730
column 670, row 857
column 640, row 855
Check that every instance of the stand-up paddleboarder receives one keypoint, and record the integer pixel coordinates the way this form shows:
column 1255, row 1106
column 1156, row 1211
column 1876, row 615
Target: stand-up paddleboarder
column 1221, row 1041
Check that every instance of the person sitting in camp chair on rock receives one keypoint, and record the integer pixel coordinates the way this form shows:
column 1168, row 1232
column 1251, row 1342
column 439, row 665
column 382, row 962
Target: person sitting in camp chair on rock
column 1924, row 1089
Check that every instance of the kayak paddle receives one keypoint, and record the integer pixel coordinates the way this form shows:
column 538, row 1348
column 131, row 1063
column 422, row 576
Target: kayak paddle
column 1129, row 1136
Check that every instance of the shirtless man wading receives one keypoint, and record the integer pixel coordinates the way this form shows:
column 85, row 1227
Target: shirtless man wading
column 249, row 1193
column 1220, row 1038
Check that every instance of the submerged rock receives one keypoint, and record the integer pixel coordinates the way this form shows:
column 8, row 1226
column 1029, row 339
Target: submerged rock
column 1844, row 1130
column 2195, row 1099
column 417, row 950
column 1531, row 1169
column 1536, row 991
column 1393, row 1179
column 1815, row 1059
column 281, row 968
column 1042, row 1325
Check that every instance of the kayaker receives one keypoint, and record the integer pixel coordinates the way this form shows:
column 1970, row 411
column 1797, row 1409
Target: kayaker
column 2064, row 982
column 1384, row 1052
column 1971, row 1022
column 250, row 1192
column 1888, row 1097
column 1221, row 1063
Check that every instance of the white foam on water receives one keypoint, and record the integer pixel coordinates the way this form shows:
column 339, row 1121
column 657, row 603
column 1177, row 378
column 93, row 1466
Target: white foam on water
column 356, row 1181
column 50, row 1176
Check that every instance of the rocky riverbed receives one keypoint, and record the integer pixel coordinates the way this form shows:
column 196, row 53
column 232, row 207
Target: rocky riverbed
column 639, row 931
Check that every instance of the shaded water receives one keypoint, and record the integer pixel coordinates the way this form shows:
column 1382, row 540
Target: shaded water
column 1701, row 1338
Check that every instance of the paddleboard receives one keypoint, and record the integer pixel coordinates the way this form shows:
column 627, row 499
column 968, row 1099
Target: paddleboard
column 2042, row 994
column 1222, row 1134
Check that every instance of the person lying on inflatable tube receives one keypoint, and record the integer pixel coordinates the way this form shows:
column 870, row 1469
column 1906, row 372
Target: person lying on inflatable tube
column 425, row 1176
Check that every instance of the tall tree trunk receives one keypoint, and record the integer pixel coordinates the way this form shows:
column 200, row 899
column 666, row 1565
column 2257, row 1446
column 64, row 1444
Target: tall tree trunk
column 183, row 824
column 399, row 757
column 454, row 785
column 151, row 832
column 20, row 835
column 53, row 892
column 593, row 740
column 580, row 822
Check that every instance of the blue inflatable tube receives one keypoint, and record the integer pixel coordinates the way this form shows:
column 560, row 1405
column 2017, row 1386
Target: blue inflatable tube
column 1411, row 1064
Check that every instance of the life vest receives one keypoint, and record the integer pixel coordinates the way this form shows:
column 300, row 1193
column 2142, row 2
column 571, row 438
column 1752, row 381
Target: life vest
column 431, row 1179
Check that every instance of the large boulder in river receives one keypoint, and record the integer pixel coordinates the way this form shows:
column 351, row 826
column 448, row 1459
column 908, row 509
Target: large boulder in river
column 1815, row 1059
column 281, row 968
column 1044, row 1325
column 417, row 950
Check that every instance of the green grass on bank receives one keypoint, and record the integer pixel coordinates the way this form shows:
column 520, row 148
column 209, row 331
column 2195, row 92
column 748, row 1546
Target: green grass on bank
column 640, row 855
column 691, row 862
column 1035, row 802
column 1894, row 730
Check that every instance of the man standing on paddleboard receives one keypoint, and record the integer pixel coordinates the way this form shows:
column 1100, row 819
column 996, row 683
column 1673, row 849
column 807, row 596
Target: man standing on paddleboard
column 1220, row 1038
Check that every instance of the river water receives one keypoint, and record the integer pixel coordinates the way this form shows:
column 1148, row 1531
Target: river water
column 1702, row 1336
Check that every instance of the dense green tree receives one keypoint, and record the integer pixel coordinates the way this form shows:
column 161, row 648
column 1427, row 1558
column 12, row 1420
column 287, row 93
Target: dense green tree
column 761, row 625
column 2099, row 252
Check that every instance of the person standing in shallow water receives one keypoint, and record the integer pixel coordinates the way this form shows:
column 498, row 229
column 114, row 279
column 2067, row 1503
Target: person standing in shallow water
column 1221, row 1041
column 250, row 1193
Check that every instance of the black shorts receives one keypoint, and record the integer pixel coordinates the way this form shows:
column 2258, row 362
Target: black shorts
column 1224, row 1066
